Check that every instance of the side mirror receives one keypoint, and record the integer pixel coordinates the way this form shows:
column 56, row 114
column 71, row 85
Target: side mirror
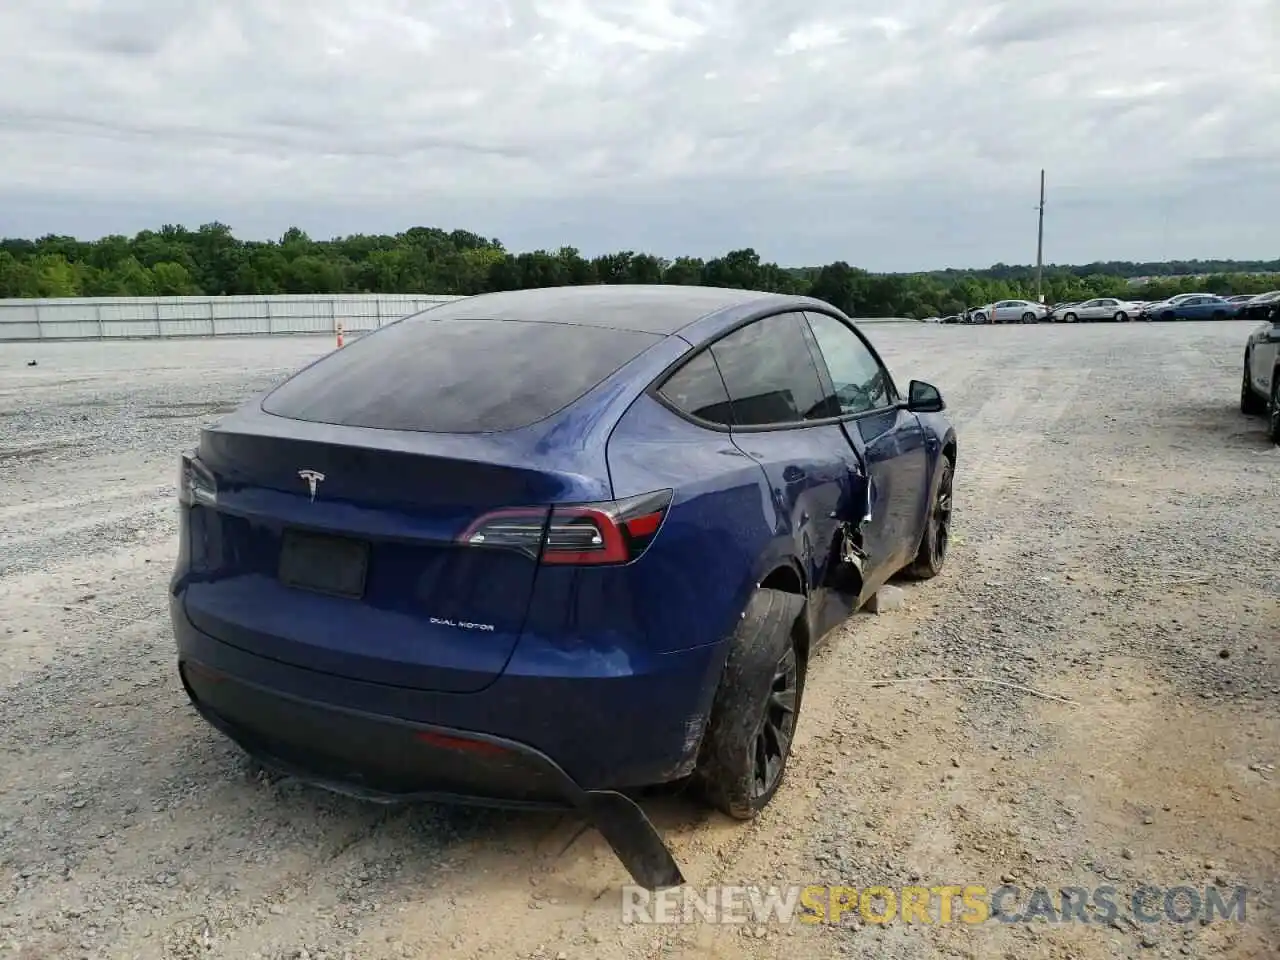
column 924, row 398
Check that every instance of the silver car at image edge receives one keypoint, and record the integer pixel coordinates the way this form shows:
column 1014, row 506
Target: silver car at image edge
column 1260, row 381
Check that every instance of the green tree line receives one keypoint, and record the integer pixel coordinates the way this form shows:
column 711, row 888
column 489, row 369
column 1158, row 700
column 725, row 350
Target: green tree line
column 176, row 261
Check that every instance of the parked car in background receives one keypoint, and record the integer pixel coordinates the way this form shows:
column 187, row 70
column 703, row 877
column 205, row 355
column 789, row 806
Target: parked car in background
column 1100, row 308
column 1260, row 382
column 1011, row 311
column 1259, row 307
column 1240, row 298
column 1194, row 307
column 545, row 547
column 1155, row 306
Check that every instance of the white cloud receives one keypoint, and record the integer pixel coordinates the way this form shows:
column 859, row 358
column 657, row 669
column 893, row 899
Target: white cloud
column 813, row 36
column 890, row 134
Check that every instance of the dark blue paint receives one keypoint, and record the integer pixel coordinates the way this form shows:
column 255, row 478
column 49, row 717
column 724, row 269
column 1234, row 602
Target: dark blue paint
column 899, row 463
column 609, row 670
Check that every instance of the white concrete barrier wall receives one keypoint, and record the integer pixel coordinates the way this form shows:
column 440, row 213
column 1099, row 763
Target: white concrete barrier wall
column 158, row 317
column 110, row 318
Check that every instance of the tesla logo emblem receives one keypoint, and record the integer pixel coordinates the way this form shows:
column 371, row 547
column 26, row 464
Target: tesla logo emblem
column 313, row 479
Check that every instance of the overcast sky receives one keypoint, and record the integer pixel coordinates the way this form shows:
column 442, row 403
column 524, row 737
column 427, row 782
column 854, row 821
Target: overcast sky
column 895, row 135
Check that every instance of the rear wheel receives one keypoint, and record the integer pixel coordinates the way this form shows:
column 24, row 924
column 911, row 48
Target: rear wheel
column 753, row 720
column 937, row 532
column 1251, row 404
column 1273, row 410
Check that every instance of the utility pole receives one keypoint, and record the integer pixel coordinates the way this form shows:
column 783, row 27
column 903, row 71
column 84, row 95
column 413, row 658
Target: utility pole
column 1040, row 245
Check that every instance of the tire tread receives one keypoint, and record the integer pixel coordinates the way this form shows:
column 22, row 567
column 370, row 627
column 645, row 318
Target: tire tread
column 755, row 647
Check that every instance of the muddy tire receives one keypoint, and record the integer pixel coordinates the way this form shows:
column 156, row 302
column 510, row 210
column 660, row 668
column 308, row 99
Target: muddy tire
column 1273, row 411
column 937, row 531
column 748, row 741
column 1251, row 405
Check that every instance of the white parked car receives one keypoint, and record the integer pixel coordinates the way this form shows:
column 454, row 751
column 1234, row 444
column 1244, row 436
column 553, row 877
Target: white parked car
column 1011, row 311
column 1099, row 308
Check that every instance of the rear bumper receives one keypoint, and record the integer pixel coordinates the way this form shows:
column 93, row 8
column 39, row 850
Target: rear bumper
column 377, row 758
column 388, row 760
column 607, row 729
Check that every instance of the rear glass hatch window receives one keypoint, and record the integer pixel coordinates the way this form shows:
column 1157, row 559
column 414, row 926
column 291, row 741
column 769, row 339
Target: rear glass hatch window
column 456, row 376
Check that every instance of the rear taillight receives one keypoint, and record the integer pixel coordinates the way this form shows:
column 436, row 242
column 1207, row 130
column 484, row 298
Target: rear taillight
column 196, row 484
column 616, row 531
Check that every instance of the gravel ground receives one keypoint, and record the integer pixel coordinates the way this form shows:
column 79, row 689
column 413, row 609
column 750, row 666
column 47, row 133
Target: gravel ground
column 1115, row 547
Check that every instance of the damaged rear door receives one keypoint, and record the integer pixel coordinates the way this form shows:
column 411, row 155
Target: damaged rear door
column 782, row 420
column 885, row 456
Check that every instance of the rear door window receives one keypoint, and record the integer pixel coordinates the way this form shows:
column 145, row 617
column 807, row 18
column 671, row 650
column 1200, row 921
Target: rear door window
column 769, row 372
column 698, row 390
column 456, row 376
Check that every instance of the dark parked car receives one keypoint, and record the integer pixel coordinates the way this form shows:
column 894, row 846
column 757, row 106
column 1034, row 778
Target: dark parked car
column 1153, row 309
column 1204, row 306
column 546, row 547
column 1260, row 383
column 1259, row 307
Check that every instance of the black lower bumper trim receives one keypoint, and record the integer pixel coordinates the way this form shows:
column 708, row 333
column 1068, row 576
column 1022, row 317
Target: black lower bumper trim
column 281, row 732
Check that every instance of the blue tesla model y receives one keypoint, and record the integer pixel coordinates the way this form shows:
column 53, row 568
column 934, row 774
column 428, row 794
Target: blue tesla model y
column 546, row 547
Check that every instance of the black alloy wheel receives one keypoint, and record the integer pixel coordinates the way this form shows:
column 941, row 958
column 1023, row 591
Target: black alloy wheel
column 941, row 519
column 936, row 538
column 776, row 730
